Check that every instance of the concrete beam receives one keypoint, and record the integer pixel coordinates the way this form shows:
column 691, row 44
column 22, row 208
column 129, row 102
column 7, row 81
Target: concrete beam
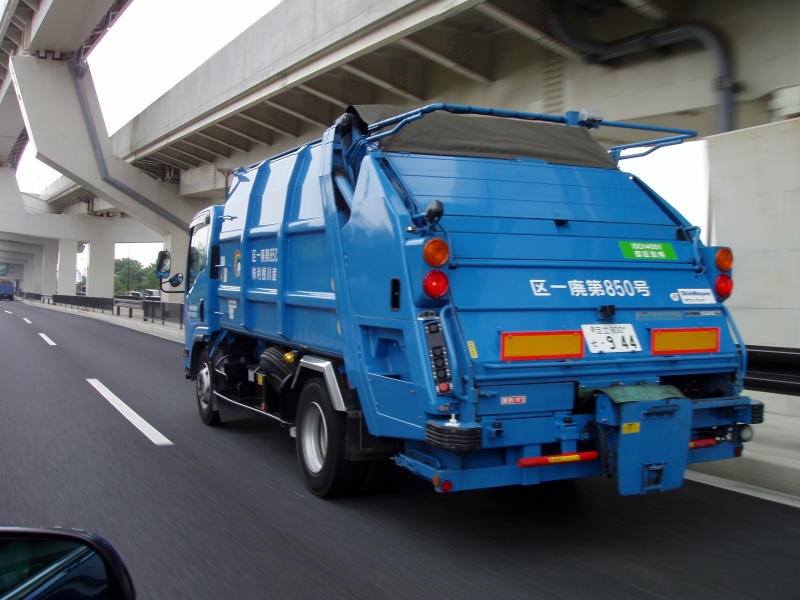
column 15, row 220
column 295, row 114
column 442, row 60
column 322, row 95
column 278, row 57
column 50, row 103
column 63, row 25
column 11, row 125
column 526, row 29
column 381, row 83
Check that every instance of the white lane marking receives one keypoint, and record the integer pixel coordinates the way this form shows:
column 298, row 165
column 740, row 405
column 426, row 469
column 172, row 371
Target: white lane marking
column 743, row 488
column 47, row 339
column 9, row 312
column 26, row 320
column 127, row 412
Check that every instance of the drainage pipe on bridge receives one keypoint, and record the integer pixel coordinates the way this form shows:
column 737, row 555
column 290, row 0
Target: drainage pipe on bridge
column 660, row 38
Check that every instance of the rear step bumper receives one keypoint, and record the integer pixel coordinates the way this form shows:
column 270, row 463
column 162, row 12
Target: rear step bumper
column 647, row 449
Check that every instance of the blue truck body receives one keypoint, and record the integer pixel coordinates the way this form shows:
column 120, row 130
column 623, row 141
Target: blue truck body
column 571, row 324
column 6, row 290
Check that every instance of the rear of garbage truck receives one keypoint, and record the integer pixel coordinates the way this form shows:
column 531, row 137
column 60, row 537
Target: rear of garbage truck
column 505, row 306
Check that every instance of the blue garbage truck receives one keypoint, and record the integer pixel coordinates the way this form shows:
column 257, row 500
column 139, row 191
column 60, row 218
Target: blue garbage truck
column 6, row 289
column 480, row 295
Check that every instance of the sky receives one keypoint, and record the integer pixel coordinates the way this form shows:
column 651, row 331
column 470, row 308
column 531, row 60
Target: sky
column 156, row 43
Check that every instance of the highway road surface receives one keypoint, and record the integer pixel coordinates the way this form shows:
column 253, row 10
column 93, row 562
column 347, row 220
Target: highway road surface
column 99, row 431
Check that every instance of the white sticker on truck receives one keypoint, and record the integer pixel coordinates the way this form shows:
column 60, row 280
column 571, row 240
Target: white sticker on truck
column 231, row 308
column 701, row 296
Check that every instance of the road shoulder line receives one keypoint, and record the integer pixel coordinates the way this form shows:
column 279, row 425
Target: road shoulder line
column 743, row 488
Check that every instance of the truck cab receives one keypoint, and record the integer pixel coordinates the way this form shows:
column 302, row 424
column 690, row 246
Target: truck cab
column 481, row 295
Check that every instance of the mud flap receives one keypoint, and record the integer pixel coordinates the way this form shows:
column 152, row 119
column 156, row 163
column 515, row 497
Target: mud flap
column 653, row 446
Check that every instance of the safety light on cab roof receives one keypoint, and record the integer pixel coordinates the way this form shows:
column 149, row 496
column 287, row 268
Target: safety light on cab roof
column 435, row 284
column 436, row 252
column 724, row 259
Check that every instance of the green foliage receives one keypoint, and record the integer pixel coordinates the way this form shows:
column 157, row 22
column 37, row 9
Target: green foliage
column 128, row 275
column 150, row 281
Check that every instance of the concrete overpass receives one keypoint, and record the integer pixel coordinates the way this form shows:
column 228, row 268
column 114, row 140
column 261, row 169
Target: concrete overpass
column 66, row 216
column 730, row 69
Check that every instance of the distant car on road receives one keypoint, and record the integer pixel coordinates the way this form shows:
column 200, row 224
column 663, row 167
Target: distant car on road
column 152, row 295
column 6, row 290
column 134, row 294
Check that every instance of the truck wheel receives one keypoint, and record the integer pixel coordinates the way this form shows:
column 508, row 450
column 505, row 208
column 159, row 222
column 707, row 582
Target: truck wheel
column 205, row 386
column 321, row 445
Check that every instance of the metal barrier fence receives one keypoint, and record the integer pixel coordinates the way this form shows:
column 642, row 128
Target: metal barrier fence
column 88, row 302
column 153, row 311
column 29, row 296
column 166, row 312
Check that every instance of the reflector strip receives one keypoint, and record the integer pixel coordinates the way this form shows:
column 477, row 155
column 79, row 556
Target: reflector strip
column 557, row 459
column 538, row 345
column 685, row 341
column 703, row 443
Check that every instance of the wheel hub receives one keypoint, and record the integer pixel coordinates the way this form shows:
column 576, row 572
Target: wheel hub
column 314, row 438
column 204, row 387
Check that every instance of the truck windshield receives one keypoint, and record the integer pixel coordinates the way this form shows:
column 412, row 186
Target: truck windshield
column 197, row 253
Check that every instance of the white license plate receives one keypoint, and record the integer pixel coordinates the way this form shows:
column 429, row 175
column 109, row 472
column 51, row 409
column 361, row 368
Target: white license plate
column 611, row 338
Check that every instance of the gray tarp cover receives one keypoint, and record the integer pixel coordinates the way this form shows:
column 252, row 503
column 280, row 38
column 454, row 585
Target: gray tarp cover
column 489, row 137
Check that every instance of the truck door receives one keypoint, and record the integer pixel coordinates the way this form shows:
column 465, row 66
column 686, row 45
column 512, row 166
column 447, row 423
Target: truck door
column 202, row 276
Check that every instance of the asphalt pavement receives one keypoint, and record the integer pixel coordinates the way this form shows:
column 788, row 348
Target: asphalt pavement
column 223, row 513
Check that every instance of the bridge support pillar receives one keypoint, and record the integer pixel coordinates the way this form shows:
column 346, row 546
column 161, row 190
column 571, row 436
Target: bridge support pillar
column 50, row 267
column 67, row 265
column 100, row 271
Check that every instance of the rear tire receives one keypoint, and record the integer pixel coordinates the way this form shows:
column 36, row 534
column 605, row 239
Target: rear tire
column 205, row 390
column 321, row 445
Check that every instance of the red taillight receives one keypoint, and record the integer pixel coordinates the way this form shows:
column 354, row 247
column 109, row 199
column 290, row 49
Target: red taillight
column 435, row 284
column 447, row 485
column 724, row 286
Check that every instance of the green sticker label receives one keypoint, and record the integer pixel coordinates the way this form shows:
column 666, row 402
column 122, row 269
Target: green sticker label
column 648, row 250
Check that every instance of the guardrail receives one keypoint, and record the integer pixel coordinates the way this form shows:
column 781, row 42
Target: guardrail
column 771, row 369
column 151, row 310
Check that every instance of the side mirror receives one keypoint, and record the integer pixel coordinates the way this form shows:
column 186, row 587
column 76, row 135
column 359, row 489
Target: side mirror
column 176, row 280
column 163, row 264
column 55, row 562
column 434, row 212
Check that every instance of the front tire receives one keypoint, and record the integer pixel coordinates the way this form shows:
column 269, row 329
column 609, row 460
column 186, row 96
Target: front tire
column 205, row 390
column 321, row 445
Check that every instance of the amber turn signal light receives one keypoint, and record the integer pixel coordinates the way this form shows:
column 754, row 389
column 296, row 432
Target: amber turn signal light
column 436, row 252
column 724, row 259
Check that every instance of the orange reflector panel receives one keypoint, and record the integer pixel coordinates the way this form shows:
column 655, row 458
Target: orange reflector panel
column 537, row 345
column 685, row 341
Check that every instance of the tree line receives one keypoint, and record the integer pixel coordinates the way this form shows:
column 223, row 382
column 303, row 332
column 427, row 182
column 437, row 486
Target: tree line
column 131, row 275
